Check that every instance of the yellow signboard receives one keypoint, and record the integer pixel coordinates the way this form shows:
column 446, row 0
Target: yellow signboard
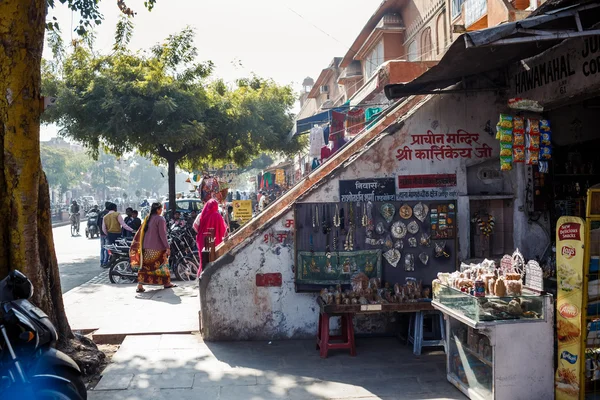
column 242, row 210
column 280, row 177
column 570, row 236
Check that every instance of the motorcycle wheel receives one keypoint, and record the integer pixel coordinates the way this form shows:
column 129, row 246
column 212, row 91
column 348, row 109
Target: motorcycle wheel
column 186, row 269
column 58, row 391
column 120, row 273
column 76, row 379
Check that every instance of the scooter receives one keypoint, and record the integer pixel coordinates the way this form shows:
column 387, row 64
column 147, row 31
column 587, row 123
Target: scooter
column 91, row 229
column 30, row 367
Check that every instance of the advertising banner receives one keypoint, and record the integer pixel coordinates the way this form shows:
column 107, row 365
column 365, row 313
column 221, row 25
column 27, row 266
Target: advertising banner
column 360, row 190
column 242, row 210
column 570, row 236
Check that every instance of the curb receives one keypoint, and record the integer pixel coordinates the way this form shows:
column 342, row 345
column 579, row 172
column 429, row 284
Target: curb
column 118, row 338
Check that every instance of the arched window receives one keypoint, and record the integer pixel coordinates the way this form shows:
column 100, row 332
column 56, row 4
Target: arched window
column 412, row 51
column 442, row 34
column 426, row 48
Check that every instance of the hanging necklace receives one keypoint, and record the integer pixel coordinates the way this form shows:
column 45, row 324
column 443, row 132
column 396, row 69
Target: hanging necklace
column 336, row 217
column 316, row 220
column 365, row 219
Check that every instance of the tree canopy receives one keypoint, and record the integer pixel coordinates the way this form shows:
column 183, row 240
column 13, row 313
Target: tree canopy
column 164, row 104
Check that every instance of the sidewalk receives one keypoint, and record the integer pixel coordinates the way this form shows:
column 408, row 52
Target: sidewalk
column 114, row 311
column 183, row 367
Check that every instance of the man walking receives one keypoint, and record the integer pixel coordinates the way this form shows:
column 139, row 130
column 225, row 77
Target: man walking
column 99, row 222
column 128, row 219
column 135, row 223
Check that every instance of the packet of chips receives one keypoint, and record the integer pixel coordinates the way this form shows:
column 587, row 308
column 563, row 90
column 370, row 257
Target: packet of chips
column 518, row 124
column 546, row 138
column 506, row 149
column 505, row 135
column 518, row 138
column 545, row 153
column 545, row 125
column 533, row 127
column 506, row 121
column 506, row 163
column 533, row 142
column 518, row 154
column 532, row 157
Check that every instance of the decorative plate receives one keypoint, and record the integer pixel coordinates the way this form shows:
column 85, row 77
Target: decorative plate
column 413, row 227
column 399, row 244
column 424, row 258
column 387, row 212
column 398, row 230
column 421, row 210
column 412, row 242
column 388, row 242
column 405, row 211
column 393, row 257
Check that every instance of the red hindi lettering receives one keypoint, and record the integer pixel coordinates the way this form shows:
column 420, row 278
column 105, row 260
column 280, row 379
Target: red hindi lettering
column 404, row 154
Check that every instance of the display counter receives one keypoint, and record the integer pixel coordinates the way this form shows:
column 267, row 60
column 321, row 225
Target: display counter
column 498, row 348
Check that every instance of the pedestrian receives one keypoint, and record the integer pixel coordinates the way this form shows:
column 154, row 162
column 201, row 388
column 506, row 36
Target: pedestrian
column 135, row 222
column 177, row 221
column 112, row 223
column 127, row 220
column 103, row 242
column 150, row 251
column 262, row 202
column 209, row 218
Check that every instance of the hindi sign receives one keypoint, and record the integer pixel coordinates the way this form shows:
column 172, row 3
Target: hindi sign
column 242, row 210
column 426, row 187
column 430, row 146
column 569, row 273
column 360, row 190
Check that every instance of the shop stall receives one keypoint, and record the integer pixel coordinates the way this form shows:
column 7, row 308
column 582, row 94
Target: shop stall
column 499, row 331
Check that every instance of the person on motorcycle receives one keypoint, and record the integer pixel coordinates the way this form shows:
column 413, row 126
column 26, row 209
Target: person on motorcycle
column 135, row 221
column 127, row 220
column 177, row 220
column 74, row 211
column 112, row 224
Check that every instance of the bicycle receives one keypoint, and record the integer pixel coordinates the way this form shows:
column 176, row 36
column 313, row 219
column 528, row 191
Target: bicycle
column 74, row 224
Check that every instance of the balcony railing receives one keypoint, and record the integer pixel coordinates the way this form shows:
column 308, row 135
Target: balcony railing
column 474, row 10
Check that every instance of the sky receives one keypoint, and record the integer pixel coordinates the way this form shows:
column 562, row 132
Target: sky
column 280, row 39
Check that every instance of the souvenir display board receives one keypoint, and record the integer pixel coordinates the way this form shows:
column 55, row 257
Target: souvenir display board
column 415, row 239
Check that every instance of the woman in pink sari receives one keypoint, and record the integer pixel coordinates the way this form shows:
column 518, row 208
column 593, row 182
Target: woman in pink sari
column 209, row 218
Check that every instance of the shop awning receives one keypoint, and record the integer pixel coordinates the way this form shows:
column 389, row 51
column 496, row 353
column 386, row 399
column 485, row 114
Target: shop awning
column 477, row 52
column 304, row 125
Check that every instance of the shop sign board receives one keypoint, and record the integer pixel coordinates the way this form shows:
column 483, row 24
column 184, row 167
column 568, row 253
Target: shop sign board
column 444, row 146
column 242, row 210
column 360, row 190
column 534, row 276
column 564, row 71
column 426, row 187
column 569, row 273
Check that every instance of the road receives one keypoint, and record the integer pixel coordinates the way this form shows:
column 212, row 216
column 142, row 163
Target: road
column 78, row 257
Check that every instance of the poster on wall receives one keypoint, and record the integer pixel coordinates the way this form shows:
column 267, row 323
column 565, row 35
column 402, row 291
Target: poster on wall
column 426, row 187
column 360, row 190
column 570, row 236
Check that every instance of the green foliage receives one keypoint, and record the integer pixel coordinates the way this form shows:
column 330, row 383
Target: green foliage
column 63, row 167
column 123, row 33
column 160, row 104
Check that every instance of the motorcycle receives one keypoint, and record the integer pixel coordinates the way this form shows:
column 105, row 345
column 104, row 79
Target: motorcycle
column 91, row 229
column 30, row 367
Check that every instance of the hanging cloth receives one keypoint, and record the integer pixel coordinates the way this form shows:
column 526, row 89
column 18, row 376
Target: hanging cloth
column 337, row 137
column 325, row 153
column 315, row 164
column 316, row 142
column 372, row 113
column 355, row 121
column 326, row 134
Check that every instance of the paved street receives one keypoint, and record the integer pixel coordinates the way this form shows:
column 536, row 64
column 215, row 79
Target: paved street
column 78, row 257
column 160, row 367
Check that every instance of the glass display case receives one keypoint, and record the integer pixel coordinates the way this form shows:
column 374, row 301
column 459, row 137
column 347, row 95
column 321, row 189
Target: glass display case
column 494, row 352
column 527, row 306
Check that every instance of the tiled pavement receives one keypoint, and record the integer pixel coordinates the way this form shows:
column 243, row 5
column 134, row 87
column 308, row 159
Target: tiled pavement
column 157, row 367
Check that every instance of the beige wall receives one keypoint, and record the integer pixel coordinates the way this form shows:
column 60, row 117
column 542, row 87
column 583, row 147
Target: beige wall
column 423, row 18
column 393, row 46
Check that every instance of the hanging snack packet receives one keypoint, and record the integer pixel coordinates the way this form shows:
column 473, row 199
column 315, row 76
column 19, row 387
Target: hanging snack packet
column 532, row 157
column 545, row 153
column 545, row 125
column 505, row 149
column 518, row 124
column 505, row 135
column 546, row 138
column 506, row 121
column 533, row 142
column 518, row 138
column 505, row 163
column 533, row 127
column 518, row 154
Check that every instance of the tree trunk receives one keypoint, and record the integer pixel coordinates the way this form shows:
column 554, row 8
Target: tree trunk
column 26, row 241
column 172, row 175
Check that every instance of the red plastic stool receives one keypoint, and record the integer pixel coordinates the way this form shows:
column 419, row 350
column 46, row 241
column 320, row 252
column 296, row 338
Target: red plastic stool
column 347, row 337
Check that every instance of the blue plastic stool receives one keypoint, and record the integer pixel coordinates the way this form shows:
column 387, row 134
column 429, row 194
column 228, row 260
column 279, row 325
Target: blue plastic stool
column 435, row 337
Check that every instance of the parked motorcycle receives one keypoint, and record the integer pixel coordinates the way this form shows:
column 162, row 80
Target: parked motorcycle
column 30, row 367
column 91, row 229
